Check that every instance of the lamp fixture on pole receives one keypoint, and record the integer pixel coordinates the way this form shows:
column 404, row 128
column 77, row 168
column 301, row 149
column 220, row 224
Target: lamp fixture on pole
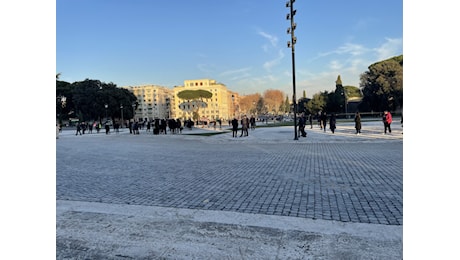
column 290, row 44
column 122, row 122
column 106, row 106
column 134, row 111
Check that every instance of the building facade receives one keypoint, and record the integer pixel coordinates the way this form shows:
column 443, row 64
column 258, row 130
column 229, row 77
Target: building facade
column 220, row 106
column 153, row 102
column 158, row 102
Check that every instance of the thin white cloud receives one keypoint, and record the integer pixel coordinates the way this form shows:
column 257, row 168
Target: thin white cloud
column 205, row 68
column 392, row 47
column 335, row 65
column 235, row 72
column 352, row 49
column 347, row 48
column 270, row 64
column 271, row 38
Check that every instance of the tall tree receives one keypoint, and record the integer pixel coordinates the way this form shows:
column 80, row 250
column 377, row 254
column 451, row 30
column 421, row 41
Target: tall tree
column 382, row 85
column 248, row 103
column 87, row 99
column 260, row 107
column 337, row 99
column 286, row 105
column 318, row 102
column 273, row 99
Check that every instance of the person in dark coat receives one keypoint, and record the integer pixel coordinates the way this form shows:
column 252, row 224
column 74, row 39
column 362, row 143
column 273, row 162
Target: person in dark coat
column 332, row 122
column 179, row 125
column 235, row 127
column 323, row 119
column 302, row 122
column 358, row 123
column 107, row 129
column 78, row 129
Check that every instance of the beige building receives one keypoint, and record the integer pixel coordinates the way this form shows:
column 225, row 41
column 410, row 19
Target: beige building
column 161, row 102
column 221, row 105
column 153, row 102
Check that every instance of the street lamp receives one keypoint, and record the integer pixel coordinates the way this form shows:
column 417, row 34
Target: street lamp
column 134, row 111
column 106, row 106
column 121, row 108
column 233, row 105
column 290, row 44
column 62, row 100
column 344, row 94
column 346, row 103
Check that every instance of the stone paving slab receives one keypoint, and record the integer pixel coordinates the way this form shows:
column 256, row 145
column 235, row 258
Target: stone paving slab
column 329, row 177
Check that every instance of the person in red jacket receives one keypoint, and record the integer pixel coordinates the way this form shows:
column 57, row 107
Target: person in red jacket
column 387, row 119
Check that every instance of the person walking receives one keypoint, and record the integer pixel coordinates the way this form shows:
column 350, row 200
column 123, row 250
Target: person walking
column 332, row 122
column 244, row 126
column 252, row 121
column 179, row 125
column 387, row 120
column 323, row 119
column 78, row 129
column 148, row 126
column 136, row 128
column 310, row 119
column 302, row 121
column 235, row 127
column 83, row 127
column 107, row 128
column 318, row 117
column 401, row 122
column 358, row 123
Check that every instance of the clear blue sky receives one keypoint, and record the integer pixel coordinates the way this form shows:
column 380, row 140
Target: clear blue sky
column 240, row 43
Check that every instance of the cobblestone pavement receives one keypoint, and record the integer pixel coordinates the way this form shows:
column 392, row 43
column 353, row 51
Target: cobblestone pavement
column 352, row 182
column 340, row 177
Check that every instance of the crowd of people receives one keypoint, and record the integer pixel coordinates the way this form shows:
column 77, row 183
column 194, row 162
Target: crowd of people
column 159, row 126
column 175, row 126
column 246, row 124
column 322, row 119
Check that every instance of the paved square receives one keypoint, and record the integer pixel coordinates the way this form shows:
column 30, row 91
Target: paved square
column 332, row 177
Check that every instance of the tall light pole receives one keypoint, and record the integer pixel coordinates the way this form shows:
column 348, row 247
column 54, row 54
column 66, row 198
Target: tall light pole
column 233, row 105
column 134, row 112
column 106, row 106
column 291, row 44
column 346, row 102
column 121, row 108
column 62, row 102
